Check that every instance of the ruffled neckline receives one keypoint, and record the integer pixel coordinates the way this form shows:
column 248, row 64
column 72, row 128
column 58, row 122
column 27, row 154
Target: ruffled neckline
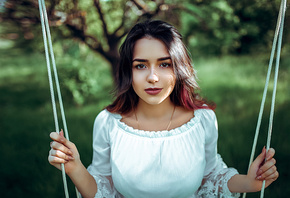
column 155, row 134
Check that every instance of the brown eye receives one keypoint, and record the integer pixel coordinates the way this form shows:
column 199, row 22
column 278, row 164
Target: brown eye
column 140, row 66
column 165, row 65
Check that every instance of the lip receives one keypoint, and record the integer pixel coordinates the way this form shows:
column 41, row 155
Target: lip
column 153, row 91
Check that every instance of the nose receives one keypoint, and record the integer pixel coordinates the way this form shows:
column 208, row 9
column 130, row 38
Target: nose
column 153, row 76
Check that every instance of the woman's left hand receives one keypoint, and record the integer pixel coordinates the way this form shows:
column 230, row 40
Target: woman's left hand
column 262, row 170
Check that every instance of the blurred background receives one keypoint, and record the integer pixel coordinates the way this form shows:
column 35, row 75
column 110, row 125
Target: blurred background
column 230, row 43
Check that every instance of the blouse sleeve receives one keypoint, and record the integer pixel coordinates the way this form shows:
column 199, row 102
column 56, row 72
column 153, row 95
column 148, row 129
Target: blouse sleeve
column 100, row 168
column 217, row 174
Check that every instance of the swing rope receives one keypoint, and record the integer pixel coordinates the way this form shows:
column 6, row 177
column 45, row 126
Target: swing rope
column 47, row 42
column 278, row 35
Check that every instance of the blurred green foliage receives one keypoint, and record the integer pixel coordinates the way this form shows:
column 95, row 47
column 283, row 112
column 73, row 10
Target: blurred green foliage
column 87, row 77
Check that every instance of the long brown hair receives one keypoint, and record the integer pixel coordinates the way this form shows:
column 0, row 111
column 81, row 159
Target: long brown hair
column 184, row 93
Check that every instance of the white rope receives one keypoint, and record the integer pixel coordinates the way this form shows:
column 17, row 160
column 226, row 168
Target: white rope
column 275, row 85
column 55, row 71
column 278, row 33
column 46, row 34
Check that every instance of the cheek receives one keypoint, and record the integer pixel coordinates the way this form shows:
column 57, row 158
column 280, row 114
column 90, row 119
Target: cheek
column 172, row 80
column 136, row 80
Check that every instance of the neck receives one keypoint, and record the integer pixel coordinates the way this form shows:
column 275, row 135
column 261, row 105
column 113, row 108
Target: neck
column 149, row 111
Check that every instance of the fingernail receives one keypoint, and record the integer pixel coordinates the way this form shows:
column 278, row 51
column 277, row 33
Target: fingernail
column 259, row 177
column 70, row 152
column 71, row 158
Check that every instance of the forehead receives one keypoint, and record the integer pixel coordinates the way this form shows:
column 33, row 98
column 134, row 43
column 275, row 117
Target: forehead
column 149, row 48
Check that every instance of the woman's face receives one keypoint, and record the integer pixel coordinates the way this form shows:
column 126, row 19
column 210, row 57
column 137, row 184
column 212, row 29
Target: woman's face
column 153, row 76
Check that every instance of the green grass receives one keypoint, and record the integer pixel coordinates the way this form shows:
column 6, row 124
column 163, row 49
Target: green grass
column 234, row 83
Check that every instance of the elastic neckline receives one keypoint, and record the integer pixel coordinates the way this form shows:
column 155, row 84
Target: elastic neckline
column 156, row 134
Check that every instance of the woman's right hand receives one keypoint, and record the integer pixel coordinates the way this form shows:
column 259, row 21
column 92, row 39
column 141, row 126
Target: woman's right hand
column 63, row 152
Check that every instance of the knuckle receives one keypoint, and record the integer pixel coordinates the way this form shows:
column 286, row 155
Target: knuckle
column 262, row 169
column 58, row 153
column 52, row 145
column 272, row 150
column 67, row 150
column 53, row 152
column 63, row 148
column 50, row 159
column 273, row 169
column 262, row 176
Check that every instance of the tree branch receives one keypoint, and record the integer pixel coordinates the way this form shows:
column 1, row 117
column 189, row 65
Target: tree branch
column 181, row 7
column 141, row 5
column 104, row 24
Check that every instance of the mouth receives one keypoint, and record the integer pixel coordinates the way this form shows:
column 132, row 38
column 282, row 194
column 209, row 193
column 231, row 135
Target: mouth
column 153, row 91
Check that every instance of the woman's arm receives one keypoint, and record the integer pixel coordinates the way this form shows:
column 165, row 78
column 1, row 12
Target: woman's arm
column 64, row 151
column 259, row 171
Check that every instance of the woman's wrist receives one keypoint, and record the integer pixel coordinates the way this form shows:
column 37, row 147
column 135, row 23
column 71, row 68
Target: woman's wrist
column 76, row 170
column 83, row 180
column 239, row 184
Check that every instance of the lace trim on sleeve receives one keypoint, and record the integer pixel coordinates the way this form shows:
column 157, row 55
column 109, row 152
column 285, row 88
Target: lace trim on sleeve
column 105, row 190
column 216, row 183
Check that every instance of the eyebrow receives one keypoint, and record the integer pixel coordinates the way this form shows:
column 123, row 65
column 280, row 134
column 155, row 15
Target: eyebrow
column 145, row 60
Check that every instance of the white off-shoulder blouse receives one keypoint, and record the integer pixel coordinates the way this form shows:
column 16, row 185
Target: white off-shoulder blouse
column 182, row 162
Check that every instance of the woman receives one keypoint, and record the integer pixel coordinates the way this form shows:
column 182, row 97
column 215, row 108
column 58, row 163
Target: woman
column 158, row 138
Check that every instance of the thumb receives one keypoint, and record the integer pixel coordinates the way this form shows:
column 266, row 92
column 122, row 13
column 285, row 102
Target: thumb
column 62, row 138
column 65, row 141
column 61, row 133
column 59, row 137
column 261, row 158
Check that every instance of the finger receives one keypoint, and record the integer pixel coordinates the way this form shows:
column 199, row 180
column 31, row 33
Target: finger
column 59, row 154
column 58, row 146
column 55, row 136
column 267, row 173
column 273, row 176
column 61, row 133
column 270, row 153
column 268, row 165
column 59, row 138
column 53, row 160
column 260, row 159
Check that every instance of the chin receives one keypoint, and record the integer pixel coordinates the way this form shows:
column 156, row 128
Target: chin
column 154, row 101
